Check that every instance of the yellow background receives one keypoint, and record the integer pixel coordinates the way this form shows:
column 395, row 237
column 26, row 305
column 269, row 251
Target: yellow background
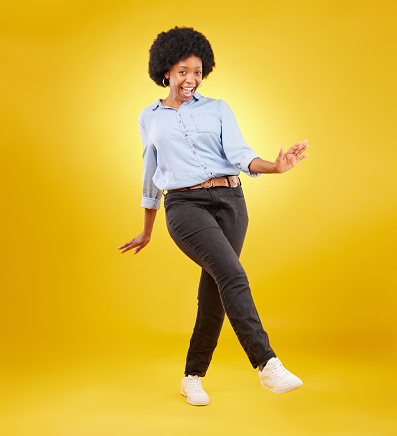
column 93, row 343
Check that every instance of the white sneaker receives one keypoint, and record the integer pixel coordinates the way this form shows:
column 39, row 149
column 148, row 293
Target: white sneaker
column 192, row 389
column 276, row 378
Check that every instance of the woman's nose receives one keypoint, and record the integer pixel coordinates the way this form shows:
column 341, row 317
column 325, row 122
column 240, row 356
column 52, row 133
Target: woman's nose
column 190, row 78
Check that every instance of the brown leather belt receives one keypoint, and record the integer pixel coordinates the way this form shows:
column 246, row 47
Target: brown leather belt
column 212, row 183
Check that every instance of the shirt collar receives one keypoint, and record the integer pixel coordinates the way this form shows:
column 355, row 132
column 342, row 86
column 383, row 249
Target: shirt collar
column 158, row 103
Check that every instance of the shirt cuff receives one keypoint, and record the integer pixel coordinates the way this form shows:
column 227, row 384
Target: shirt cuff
column 151, row 203
column 245, row 162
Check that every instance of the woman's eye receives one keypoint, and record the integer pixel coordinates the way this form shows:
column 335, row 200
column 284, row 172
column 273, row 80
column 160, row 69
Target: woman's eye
column 182, row 72
column 198, row 73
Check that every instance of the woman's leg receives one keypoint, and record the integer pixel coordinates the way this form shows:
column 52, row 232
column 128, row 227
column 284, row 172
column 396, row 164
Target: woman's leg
column 210, row 311
column 209, row 321
column 193, row 220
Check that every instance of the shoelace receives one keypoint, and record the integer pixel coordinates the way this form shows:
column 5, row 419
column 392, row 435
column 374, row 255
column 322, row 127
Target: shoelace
column 278, row 369
column 195, row 384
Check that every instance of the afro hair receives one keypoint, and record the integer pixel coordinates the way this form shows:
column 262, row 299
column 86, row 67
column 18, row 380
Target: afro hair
column 175, row 45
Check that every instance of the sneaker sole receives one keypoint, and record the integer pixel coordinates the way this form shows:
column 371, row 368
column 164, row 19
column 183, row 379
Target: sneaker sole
column 284, row 390
column 194, row 403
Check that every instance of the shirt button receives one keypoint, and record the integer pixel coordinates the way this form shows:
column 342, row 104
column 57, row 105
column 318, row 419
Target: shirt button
column 180, row 121
column 194, row 152
column 185, row 134
column 205, row 168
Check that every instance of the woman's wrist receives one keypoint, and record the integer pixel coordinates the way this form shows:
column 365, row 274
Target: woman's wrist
column 150, row 216
column 261, row 166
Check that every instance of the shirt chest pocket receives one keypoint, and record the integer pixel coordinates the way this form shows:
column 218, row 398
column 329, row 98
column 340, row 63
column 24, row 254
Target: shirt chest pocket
column 207, row 124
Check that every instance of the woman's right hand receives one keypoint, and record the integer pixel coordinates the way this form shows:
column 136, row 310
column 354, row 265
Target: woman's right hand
column 139, row 242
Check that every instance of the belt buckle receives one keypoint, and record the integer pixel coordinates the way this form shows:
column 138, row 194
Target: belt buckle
column 234, row 181
column 211, row 185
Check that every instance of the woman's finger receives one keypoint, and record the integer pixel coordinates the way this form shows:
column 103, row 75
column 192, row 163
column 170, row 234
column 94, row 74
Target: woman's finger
column 293, row 149
column 305, row 148
column 122, row 246
column 302, row 157
column 300, row 149
column 280, row 155
column 140, row 246
column 126, row 249
column 128, row 245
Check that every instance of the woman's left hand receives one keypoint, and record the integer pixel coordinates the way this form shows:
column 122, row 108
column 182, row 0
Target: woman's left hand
column 286, row 161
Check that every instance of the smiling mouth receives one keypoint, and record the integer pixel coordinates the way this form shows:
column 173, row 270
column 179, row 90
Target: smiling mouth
column 187, row 92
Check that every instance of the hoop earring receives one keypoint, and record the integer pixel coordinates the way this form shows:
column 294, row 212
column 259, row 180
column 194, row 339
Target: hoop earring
column 201, row 84
column 164, row 79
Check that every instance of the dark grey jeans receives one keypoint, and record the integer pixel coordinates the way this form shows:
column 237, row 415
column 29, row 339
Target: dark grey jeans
column 209, row 226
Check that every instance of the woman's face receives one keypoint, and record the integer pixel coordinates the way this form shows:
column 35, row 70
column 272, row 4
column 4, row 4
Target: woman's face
column 185, row 77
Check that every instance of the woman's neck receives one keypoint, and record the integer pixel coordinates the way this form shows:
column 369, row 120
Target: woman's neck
column 168, row 101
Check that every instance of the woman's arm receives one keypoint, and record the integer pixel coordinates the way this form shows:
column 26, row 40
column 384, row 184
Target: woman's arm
column 144, row 238
column 284, row 161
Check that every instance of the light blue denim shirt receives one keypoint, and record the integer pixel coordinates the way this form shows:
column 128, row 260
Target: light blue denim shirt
column 187, row 146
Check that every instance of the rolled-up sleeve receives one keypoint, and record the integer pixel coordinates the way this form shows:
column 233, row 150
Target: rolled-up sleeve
column 151, row 195
column 237, row 151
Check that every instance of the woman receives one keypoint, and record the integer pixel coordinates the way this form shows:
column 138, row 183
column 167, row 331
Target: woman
column 194, row 150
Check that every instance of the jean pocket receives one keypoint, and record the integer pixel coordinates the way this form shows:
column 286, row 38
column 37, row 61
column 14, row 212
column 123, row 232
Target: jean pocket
column 173, row 196
column 238, row 191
